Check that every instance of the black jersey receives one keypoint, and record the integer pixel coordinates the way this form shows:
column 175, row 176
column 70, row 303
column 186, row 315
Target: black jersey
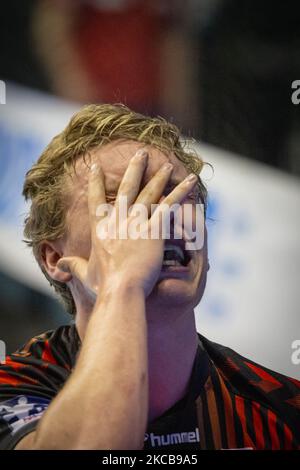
column 231, row 403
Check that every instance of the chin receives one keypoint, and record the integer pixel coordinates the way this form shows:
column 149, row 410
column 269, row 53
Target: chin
column 171, row 293
column 179, row 290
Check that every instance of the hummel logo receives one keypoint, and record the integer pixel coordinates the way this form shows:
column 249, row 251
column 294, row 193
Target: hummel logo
column 174, row 438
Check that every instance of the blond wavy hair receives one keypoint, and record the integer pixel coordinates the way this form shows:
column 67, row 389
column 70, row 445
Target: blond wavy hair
column 91, row 127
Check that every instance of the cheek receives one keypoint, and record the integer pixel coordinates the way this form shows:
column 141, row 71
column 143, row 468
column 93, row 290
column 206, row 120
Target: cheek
column 202, row 262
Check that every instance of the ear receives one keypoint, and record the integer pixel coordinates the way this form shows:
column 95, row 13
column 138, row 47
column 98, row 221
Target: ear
column 50, row 255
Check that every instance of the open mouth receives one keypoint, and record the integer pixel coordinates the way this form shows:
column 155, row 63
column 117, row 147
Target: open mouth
column 175, row 255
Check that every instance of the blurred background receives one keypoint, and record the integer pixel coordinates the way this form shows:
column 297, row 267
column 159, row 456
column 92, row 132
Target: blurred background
column 222, row 70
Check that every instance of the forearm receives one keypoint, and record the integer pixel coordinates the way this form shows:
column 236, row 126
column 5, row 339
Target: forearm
column 104, row 404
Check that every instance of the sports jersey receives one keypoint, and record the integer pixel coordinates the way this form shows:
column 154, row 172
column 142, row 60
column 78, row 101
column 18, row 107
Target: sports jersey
column 231, row 402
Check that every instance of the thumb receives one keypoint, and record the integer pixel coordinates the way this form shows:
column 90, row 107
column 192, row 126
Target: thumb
column 74, row 265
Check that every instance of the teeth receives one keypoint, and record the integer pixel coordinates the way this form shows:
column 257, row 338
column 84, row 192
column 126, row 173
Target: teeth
column 175, row 248
column 171, row 262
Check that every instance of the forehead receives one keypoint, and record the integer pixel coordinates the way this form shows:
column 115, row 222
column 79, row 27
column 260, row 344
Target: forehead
column 114, row 159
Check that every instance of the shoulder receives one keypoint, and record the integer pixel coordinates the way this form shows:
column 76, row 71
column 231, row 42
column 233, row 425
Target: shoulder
column 231, row 363
column 45, row 360
column 256, row 383
column 58, row 346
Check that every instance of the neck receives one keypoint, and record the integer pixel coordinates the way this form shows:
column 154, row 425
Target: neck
column 172, row 348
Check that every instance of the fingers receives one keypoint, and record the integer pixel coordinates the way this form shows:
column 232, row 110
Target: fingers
column 132, row 178
column 75, row 265
column 153, row 190
column 96, row 194
column 175, row 197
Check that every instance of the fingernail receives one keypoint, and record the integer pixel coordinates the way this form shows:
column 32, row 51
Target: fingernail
column 167, row 166
column 94, row 168
column 191, row 178
column 140, row 154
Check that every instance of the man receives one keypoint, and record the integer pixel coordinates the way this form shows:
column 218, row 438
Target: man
column 132, row 372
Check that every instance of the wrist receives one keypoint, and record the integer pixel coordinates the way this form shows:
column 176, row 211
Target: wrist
column 118, row 287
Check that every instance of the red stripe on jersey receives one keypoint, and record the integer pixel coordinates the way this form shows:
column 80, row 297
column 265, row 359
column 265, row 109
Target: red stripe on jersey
column 15, row 365
column 47, row 355
column 6, row 379
column 240, row 408
column 272, row 420
column 263, row 374
column 258, row 426
column 228, row 410
column 288, row 438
